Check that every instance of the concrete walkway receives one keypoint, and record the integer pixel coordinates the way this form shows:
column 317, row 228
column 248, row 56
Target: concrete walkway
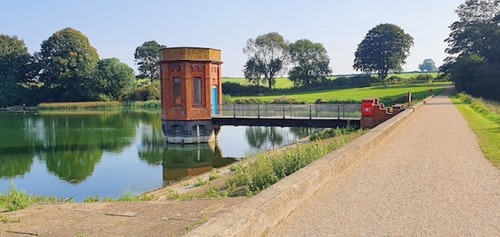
column 427, row 178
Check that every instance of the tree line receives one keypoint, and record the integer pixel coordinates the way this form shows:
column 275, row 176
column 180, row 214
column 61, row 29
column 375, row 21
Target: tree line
column 384, row 49
column 67, row 69
column 474, row 49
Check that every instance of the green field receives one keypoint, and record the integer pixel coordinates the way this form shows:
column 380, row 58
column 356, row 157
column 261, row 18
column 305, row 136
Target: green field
column 486, row 126
column 281, row 82
column 357, row 93
column 284, row 83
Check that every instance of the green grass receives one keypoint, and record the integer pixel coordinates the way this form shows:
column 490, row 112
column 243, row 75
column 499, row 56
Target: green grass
column 265, row 170
column 485, row 123
column 357, row 94
column 281, row 82
column 15, row 200
column 151, row 104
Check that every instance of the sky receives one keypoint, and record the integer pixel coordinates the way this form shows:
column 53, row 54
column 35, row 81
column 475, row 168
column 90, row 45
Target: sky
column 115, row 28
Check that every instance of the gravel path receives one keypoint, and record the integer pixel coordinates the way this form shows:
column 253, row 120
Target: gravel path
column 428, row 178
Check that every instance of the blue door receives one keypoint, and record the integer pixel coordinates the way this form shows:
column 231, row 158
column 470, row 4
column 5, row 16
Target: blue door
column 214, row 101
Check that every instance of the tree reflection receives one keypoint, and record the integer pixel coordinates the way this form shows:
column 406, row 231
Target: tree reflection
column 16, row 156
column 74, row 142
column 258, row 137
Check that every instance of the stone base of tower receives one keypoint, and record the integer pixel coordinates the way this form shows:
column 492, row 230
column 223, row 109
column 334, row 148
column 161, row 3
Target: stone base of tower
column 188, row 132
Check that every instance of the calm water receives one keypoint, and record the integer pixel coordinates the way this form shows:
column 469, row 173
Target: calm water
column 82, row 154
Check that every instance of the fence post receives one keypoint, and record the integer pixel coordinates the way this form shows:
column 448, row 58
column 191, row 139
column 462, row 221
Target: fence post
column 291, row 115
column 283, row 111
column 343, row 110
column 258, row 111
column 310, row 111
column 265, row 109
column 338, row 111
column 234, row 110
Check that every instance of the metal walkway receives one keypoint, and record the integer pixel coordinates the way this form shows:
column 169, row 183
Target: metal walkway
column 289, row 115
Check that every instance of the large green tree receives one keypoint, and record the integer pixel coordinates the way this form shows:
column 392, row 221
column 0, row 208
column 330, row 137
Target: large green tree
column 68, row 62
column 384, row 48
column 147, row 56
column 311, row 63
column 14, row 69
column 116, row 78
column 267, row 57
column 474, row 48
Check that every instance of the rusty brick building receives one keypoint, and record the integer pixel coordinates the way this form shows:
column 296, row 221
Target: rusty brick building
column 191, row 91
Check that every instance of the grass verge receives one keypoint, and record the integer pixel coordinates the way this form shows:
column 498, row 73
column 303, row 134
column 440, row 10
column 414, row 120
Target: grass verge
column 15, row 200
column 484, row 122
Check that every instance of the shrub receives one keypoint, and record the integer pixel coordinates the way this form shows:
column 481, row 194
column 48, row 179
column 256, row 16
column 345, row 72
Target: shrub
column 286, row 100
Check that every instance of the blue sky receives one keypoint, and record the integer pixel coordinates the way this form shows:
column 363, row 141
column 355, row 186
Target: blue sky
column 116, row 28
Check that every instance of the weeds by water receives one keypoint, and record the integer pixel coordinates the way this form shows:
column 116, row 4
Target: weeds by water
column 253, row 177
column 150, row 104
column 15, row 200
column 126, row 197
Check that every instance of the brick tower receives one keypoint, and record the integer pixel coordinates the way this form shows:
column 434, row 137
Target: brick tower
column 191, row 89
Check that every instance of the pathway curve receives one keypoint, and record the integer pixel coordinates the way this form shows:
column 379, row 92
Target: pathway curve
column 427, row 178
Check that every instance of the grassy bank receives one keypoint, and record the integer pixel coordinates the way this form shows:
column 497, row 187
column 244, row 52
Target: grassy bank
column 250, row 176
column 152, row 104
column 386, row 94
column 15, row 200
column 484, row 120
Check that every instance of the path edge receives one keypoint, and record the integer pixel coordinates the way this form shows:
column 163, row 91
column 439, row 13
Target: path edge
column 258, row 215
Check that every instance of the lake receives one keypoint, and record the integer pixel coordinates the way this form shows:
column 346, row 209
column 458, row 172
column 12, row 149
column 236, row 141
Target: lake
column 82, row 154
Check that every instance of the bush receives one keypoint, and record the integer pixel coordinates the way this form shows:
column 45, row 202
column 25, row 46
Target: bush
column 286, row 100
column 248, row 101
column 144, row 93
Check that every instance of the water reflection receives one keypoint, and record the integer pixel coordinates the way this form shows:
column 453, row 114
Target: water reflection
column 192, row 160
column 81, row 154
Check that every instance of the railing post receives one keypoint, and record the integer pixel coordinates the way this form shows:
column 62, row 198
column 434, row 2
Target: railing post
column 338, row 111
column 258, row 111
column 291, row 115
column 316, row 110
column 283, row 111
column 265, row 107
column 343, row 111
column 234, row 110
column 310, row 111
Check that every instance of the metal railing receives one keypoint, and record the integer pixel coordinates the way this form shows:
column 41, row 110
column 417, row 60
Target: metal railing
column 290, row 110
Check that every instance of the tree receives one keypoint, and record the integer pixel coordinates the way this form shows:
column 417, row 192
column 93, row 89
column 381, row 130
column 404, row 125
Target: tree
column 428, row 65
column 474, row 48
column 147, row 56
column 14, row 67
column 384, row 48
column 267, row 57
column 68, row 63
column 311, row 63
column 116, row 78
column 476, row 31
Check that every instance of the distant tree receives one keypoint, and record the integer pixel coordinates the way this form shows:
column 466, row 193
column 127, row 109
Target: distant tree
column 147, row 56
column 252, row 70
column 267, row 57
column 311, row 63
column 428, row 65
column 384, row 48
column 116, row 78
column 14, row 66
column 68, row 62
